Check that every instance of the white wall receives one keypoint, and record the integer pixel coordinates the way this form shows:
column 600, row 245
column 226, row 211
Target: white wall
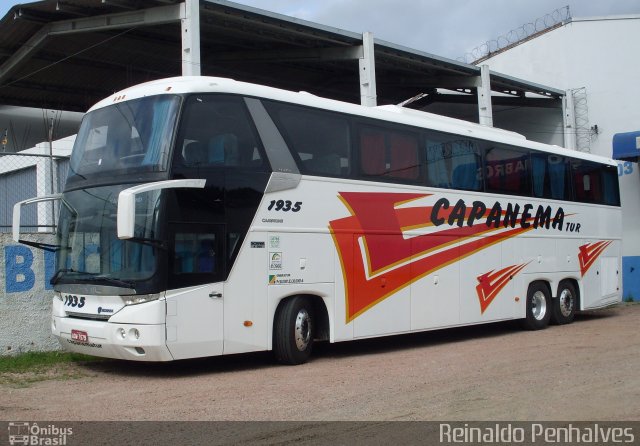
column 25, row 296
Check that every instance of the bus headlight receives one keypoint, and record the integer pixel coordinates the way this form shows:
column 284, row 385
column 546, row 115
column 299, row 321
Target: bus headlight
column 139, row 298
column 122, row 333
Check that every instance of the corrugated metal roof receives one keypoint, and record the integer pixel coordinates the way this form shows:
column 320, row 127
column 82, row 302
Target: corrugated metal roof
column 73, row 71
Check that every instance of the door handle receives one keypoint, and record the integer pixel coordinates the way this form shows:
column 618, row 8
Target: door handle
column 215, row 295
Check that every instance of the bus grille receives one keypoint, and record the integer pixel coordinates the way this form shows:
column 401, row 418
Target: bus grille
column 98, row 317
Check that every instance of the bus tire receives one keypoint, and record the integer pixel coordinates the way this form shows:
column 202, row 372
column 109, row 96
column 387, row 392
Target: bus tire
column 564, row 305
column 293, row 332
column 538, row 306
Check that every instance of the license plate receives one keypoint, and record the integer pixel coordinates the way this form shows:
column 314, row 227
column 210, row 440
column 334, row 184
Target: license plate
column 80, row 336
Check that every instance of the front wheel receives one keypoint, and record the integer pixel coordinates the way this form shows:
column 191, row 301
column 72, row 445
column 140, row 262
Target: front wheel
column 538, row 306
column 293, row 331
column 564, row 305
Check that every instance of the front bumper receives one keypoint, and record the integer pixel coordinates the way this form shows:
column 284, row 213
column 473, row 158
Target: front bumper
column 113, row 340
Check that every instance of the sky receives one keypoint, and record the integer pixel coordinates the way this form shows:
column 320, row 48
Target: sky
column 448, row 28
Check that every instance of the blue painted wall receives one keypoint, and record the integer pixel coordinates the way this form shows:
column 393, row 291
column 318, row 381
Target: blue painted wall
column 631, row 278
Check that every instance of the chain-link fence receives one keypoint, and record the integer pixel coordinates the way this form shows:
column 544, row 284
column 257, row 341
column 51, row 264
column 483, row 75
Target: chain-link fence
column 24, row 176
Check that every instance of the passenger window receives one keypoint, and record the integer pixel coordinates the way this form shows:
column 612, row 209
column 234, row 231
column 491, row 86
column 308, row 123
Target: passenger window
column 319, row 140
column 611, row 185
column 453, row 163
column 507, row 171
column 587, row 181
column 196, row 255
column 389, row 154
column 216, row 132
column 550, row 176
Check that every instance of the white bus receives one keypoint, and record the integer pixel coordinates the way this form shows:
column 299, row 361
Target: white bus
column 204, row 216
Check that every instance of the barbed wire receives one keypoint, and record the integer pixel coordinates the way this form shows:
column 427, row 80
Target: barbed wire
column 555, row 18
column 584, row 133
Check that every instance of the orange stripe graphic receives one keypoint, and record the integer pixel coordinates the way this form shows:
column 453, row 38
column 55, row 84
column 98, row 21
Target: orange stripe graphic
column 589, row 253
column 388, row 261
column 491, row 283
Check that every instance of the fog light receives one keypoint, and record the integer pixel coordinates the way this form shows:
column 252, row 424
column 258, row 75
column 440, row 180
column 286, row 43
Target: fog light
column 135, row 333
column 53, row 323
column 122, row 333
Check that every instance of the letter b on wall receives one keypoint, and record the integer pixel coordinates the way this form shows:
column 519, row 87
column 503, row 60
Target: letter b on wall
column 18, row 269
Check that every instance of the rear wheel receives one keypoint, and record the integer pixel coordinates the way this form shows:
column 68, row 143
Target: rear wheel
column 538, row 306
column 565, row 304
column 293, row 332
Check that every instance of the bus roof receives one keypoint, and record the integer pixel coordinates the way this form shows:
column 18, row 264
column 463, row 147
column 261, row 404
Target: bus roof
column 389, row 113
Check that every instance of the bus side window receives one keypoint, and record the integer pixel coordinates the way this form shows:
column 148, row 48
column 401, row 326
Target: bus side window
column 549, row 176
column 196, row 256
column 320, row 141
column 372, row 152
column 389, row 154
column 507, row 171
column 587, row 181
column 193, row 154
column 465, row 165
column 403, row 156
column 453, row 163
column 223, row 149
column 216, row 131
column 611, row 185
column 438, row 165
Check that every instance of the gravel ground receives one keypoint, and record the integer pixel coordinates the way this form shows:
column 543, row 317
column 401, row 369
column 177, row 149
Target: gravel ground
column 589, row 370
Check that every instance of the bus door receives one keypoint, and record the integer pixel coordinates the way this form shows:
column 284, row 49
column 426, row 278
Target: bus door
column 196, row 292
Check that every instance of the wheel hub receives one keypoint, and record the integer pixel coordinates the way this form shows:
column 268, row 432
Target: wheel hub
column 303, row 330
column 566, row 303
column 538, row 305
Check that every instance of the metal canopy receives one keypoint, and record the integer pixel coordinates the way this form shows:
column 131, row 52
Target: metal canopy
column 68, row 54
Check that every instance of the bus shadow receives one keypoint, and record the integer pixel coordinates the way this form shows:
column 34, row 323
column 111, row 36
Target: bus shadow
column 184, row 367
column 322, row 350
column 409, row 341
column 437, row 337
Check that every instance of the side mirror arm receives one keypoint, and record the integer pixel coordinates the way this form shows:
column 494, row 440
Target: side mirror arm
column 127, row 202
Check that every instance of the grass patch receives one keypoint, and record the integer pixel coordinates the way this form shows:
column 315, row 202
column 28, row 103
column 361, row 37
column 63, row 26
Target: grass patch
column 26, row 368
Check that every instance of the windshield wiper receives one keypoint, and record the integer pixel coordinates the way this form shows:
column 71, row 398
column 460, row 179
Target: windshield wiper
column 58, row 273
column 92, row 278
column 111, row 280
column 44, row 246
column 150, row 242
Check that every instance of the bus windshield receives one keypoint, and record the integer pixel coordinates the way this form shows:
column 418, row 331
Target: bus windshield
column 135, row 134
column 89, row 248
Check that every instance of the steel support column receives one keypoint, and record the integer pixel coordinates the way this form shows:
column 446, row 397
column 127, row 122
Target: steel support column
column 485, row 111
column 569, row 121
column 367, row 65
column 190, row 21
